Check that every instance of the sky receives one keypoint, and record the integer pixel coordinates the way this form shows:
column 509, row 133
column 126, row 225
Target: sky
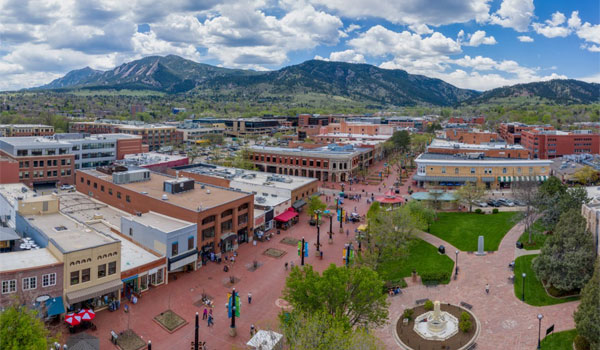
column 475, row 44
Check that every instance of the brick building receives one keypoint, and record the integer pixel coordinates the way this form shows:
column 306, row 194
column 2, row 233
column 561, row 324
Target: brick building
column 224, row 217
column 548, row 144
column 471, row 136
column 492, row 150
column 511, row 132
column 467, row 120
column 9, row 170
column 330, row 163
column 15, row 130
column 358, row 128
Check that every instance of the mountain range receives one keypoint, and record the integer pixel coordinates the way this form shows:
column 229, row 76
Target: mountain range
column 357, row 82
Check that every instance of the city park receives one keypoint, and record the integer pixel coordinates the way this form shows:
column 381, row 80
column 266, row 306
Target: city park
column 403, row 275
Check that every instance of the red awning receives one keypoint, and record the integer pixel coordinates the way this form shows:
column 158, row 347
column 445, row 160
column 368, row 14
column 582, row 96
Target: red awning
column 389, row 198
column 286, row 216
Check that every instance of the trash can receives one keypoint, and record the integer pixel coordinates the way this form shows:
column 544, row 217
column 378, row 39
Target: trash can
column 442, row 249
column 519, row 245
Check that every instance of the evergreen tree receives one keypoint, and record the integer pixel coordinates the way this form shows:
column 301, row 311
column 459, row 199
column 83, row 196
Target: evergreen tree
column 587, row 316
column 21, row 328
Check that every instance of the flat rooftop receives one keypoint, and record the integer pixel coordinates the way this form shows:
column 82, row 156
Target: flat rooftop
column 355, row 136
column 68, row 234
column 26, row 259
column 250, row 176
column 161, row 222
column 102, row 218
column 462, row 158
column 25, row 126
column 62, row 139
column 150, row 158
column 329, row 151
column 15, row 191
column 439, row 143
column 209, row 197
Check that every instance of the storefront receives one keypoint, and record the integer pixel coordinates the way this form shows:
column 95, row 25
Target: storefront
column 287, row 219
column 299, row 204
column 184, row 262
column 228, row 242
column 242, row 235
column 95, row 297
column 156, row 276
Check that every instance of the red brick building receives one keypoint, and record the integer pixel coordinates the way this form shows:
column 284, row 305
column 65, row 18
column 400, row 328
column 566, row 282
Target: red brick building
column 9, row 171
column 15, row 130
column 224, row 217
column 470, row 136
column 548, row 144
column 155, row 136
column 467, row 120
column 511, row 132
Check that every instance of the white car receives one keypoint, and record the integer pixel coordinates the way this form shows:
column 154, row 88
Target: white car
column 67, row 187
column 480, row 204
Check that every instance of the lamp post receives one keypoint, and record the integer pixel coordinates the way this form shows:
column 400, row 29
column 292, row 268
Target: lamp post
column 540, row 316
column 456, row 269
column 149, row 345
column 302, row 253
column 196, row 332
column 318, row 213
column 330, row 227
column 523, row 292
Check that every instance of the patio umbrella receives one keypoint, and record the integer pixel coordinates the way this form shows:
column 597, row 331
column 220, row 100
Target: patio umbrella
column 86, row 314
column 73, row 319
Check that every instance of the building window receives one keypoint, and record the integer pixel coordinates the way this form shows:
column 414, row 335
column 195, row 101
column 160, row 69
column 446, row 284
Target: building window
column 102, row 188
column 503, row 170
column 29, row 283
column 226, row 213
column 443, row 170
column 9, row 286
column 95, row 185
column 226, row 226
column 127, row 198
column 208, row 219
column 530, row 171
column 174, row 248
column 118, row 194
column 101, row 270
column 543, row 170
column 190, row 242
column 519, row 170
column 456, row 170
column 472, row 170
column 243, row 206
column 208, row 233
column 110, row 191
column 112, row 268
column 85, row 275
column 131, row 231
column 74, row 278
column 49, row 280
column 88, row 182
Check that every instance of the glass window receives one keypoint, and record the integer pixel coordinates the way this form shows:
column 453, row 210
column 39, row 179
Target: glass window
column 227, row 213
column 29, row 283
column 443, row 170
column 208, row 219
column 118, row 194
column 127, row 198
column 503, row 170
column 190, row 242
column 530, row 171
column 74, row 278
column 9, row 286
column 101, row 270
column 49, row 280
column 112, row 268
column 208, row 233
column 519, row 170
column 174, row 248
column 85, row 275
column 472, row 170
column 456, row 170
column 226, row 226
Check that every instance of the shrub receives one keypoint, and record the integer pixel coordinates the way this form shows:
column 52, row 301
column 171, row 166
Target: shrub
column 408, row 313
column 435, row 277
column 581, row 343
column 478, row 211
column 495, row 211
column 428, row 305
column 464, row 316
column 465, row 325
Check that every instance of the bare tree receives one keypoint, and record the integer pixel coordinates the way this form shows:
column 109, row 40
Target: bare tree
column 470, row 193
column 526, row 192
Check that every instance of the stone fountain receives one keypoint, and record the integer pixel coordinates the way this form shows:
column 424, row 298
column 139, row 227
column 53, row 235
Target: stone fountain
column 436, row 324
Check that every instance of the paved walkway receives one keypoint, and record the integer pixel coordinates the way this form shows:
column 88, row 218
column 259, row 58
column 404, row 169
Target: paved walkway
column 507, row 323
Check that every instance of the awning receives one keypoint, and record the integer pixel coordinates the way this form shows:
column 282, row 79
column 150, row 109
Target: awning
column 55, row 306
column 445, row 178
column 129, row 278
column 227, row 235
column 488, row 179
column 286, row 216
column 298, row 204
column 183, row 259
column 94, row 291
column 522, row 178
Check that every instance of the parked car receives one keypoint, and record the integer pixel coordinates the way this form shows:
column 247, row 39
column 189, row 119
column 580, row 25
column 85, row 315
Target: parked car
column 493, row 203
column 480, row 204
column 67, row 187
column 519, row 203
column 506, row 202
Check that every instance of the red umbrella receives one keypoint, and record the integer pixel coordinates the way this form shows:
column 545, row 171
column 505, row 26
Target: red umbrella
column 73, row 319
column 86, row 314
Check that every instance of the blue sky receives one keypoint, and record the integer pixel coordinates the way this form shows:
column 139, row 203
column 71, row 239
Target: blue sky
column 477, row 44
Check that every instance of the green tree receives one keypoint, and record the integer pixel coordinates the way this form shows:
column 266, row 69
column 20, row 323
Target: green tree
column 401, row 140
column 322, row 331
column 214, row 139
column 526, row 192
column 470, row 193
column 354, row 293
column 193, row 153
column 242, row 159
column 315, row 203
column 21, row 328
column 423, row 215
column 566, row 260
column 586, row 175
column 554, row 198
column 419, row 142
column 587, row 315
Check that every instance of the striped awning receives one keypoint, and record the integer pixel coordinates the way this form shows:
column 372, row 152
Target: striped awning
column 539, row 178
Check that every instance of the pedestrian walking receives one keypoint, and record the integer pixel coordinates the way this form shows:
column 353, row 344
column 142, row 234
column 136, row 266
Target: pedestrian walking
column 210, row 320
column 347, row 232
column 487, row 288
column 286, row 265
column 205, row 314
column 252, row 330
column 292, row 264
column 249, row 298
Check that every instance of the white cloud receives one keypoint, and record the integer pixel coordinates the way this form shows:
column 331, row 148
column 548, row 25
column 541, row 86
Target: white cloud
column 556, row 27
column 479, row 38
column 574, row 21
column 553, row 27
column 420, row 29
column 514, row 14
column 352, row 28
column 344, row 56
column 525, row 39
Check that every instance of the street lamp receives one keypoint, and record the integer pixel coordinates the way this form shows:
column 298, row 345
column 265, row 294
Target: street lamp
column 523, row 292
column 540, row 316
column 456, row 270
column 318, row 213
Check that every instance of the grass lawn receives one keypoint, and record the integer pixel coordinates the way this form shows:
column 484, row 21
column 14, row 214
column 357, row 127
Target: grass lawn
column 422, row 257
column 463, row 229
column 538, row 237
column 560, row 340
column 535, row 294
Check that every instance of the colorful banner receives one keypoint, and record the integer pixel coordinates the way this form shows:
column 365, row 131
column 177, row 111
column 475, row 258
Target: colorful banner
column 229, row 305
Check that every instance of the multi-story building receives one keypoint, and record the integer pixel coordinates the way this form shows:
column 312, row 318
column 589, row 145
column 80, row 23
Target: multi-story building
column 16, row 130
column 155, row 161
column 416, row 123
column 511, row 132
column 9, row 170
column 591, row 212
column 330, row 163
column 198, row 134
column 53, row 160
column 153, row 135
column 467, row 120
column 223, row 216
column 358, row 128
column 492, row 150
column 471, row 136
column 450, row 170
column 548, row 144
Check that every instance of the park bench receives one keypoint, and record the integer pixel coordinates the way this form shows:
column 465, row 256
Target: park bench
column 421, row 301
column 466, row 305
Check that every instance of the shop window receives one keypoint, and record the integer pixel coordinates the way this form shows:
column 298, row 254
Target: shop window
column 208, row 219
column 174, row 248
column 190, row 243
column 29, row 283
column 208, row 233
column 226, row 213
column 74, row 278
column 49, row 280
column 226, row 226
column 85, row 275
column 112, row 268
column 9, row 286
column 101, row 270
